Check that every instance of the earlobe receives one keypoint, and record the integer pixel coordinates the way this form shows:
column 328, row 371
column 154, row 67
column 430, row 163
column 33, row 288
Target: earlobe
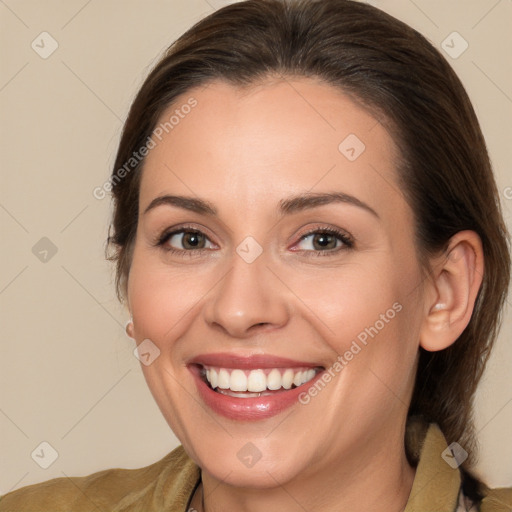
column 454, row 286
column 129, row 329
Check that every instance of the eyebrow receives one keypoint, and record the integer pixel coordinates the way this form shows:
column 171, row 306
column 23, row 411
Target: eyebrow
column 288, row 206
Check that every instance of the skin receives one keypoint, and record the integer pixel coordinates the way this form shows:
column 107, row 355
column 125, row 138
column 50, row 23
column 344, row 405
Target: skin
column 244, row 150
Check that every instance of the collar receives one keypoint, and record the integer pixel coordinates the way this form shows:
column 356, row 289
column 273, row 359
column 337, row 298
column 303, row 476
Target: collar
column 436, row 485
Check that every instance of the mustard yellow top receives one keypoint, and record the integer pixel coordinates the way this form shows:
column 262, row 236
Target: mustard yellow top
column 168, row 485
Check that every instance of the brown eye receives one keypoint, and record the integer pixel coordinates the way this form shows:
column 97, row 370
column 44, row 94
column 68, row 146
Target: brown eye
column 324, row 241
column 184, row 240
column 193, row 240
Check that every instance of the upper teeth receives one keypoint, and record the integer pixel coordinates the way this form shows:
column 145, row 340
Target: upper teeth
column 258, row 380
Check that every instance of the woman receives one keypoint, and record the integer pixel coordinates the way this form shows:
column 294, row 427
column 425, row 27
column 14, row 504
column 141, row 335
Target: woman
column 314, row 290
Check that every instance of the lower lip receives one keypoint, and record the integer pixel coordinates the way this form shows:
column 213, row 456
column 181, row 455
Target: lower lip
column 249, row 409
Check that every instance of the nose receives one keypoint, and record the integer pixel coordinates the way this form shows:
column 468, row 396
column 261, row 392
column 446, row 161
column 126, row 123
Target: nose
column 248, row 299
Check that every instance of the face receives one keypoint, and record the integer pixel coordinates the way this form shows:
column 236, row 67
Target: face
column 289, row 270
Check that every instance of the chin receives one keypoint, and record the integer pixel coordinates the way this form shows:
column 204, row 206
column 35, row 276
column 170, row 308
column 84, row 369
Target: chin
column 264, row 474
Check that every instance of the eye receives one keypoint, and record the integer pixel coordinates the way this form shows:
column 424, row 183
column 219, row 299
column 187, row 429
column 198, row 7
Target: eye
column 184, row 240
column 187, row 241
column 325, row 241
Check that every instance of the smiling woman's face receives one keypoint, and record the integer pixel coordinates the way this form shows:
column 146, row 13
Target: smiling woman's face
column 263, row 282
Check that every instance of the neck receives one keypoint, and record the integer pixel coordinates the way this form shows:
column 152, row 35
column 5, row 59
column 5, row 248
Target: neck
column 372, row 481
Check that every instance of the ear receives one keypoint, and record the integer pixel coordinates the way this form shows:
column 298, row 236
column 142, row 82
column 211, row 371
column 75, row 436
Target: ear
column 452, row 290
column 128, row 327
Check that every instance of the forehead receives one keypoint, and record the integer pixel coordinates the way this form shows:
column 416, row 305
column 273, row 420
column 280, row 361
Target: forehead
column 254, row 145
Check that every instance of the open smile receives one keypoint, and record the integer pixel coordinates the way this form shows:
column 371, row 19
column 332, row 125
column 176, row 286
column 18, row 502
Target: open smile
column 251, row 388
column 254, row 383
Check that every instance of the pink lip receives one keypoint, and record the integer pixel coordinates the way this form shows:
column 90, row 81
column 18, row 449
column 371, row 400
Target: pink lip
column 248, row 409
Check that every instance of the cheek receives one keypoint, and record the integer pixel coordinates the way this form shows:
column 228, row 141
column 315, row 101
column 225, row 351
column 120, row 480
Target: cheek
column 162, row 301
column 370, row 316
column 162, row 298
column 356, row 300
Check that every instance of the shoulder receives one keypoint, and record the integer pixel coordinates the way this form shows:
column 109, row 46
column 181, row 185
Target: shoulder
column 170, row 481
column 497, row 500
column 439, row 482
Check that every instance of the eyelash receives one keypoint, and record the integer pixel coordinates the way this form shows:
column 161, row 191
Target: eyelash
column 347, row 241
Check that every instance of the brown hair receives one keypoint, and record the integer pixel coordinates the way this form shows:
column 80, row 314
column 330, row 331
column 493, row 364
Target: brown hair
column 401, row 79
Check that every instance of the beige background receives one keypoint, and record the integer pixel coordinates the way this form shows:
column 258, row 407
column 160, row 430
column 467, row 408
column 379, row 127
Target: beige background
column 68, row 373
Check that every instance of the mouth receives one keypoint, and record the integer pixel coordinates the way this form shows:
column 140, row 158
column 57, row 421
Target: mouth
column 245, row 383
column 251, row 388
